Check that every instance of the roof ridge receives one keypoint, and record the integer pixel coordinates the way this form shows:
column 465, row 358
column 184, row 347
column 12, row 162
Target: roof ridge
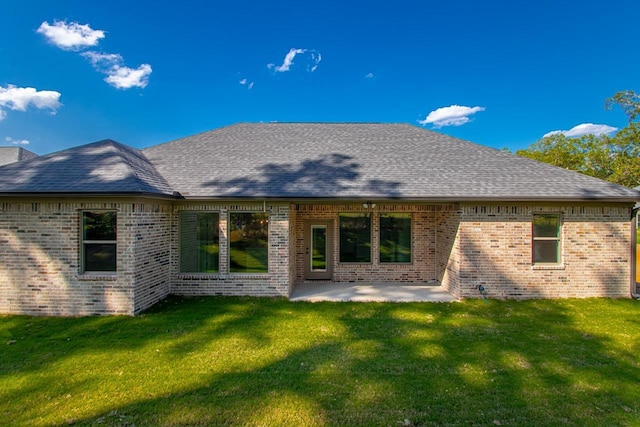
column 102, row 141
column 140, row 181
column 325, row 123
column 119, row 146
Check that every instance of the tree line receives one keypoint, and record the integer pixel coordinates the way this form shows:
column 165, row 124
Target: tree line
column 613, row 158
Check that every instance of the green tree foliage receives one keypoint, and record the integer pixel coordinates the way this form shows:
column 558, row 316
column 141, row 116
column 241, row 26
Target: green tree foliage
column 612, row 158
column 628, row 100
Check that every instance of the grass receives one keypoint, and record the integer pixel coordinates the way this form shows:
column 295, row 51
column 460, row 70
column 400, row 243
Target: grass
column 638, row 263
column 249, row 361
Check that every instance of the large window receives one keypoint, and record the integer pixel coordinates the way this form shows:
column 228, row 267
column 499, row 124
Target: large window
column 546, row 238
column 355, row 237
column 395, row 237
column 248, row 242
column 199, row 242
column 98, row 241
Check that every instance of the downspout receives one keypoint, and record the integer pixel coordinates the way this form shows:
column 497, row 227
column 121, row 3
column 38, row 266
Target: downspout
column 632, row 281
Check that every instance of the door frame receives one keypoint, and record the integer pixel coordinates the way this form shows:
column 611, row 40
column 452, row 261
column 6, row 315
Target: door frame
column 326, row 274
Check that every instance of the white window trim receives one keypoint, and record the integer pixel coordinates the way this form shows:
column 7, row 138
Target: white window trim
column 83, row 242
column 559, row 264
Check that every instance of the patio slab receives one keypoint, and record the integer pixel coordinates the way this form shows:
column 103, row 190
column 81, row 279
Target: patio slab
column 367, row 292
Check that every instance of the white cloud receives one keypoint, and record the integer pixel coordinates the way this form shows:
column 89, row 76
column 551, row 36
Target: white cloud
column 368, row 76
column 288, row 61
column 125, row 77
column 583, row 129
column 313, row 60
column 454, row 115
column 247, row 83
column 20, row 98
column 72, row 36
column 17, row 141
column 118, row 75
column 106, row 60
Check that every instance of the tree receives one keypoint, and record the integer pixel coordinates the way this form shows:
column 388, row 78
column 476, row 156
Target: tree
column 612, row 158
column 628, row 100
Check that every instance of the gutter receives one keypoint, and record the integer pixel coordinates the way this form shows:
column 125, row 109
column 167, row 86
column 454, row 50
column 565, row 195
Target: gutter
column 431, row 200
column 61, row 194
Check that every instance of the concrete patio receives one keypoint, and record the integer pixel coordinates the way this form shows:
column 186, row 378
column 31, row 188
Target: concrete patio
column 368, row 292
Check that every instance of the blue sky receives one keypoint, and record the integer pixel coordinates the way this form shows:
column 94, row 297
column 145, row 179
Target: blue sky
column 499, row 73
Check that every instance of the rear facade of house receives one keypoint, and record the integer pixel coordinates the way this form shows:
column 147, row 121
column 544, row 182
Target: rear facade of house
column 255, row 209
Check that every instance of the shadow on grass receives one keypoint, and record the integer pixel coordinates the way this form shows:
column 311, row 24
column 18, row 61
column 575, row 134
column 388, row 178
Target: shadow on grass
column 260, row 361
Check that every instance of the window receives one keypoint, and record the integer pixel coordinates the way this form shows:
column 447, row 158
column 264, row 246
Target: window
column 249, row 242
column 395, row 237
column 355, row 237
column 318, row 259
column 199, row 242
column 546, row 238
column 98, row 241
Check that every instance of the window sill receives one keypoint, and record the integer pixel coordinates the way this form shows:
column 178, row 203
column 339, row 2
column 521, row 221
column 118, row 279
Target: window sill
column 547, row 267
column 248, row 275
column 396, row 263
column 97, row 276
column 223, row 276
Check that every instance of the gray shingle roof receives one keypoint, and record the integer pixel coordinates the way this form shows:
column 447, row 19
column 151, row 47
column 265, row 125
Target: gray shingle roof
column 102, row 167
column 14, row 154
column 347, row 160
column 307, row 160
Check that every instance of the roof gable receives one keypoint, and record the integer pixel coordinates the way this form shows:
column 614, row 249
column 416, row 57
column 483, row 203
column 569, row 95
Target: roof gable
column 101, row 167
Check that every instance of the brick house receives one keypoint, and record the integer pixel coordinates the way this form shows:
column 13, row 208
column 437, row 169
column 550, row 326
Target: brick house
column 254, row 209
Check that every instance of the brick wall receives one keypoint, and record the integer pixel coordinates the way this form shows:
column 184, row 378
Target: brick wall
column 495, row 252
column 448, row 249
column 293, row 246
column 40, row 259
column 150, row 227
column 463, row 246
column 423, row 235
column 460, row 246
column 274, row 283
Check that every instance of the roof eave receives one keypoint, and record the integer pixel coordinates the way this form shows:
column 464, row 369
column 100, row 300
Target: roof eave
column 92, row 194
column 436, row 199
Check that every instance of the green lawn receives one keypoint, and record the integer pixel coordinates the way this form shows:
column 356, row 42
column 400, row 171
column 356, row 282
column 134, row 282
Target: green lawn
column 637, row 263
column 248, row 361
